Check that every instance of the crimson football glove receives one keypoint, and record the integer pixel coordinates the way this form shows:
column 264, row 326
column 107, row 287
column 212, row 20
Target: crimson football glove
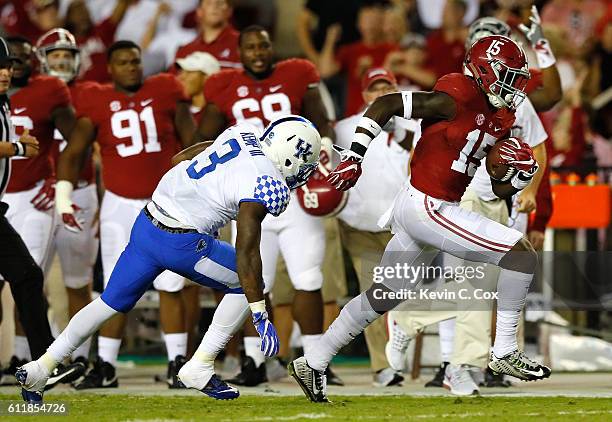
column 45, row 198
column 518, row 154
column 66, row 208
column 345, row 175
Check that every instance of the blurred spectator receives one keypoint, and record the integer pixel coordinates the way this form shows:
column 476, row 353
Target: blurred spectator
column 408, row 64
column 193, row 71
column 446, row 46
column 30, row 18
column 432, row 15
column 353, row 59
column 315, row 19
column 601, row 63
column 94, row 39
column 217, row 37
column 394, row 24
column 578, row 18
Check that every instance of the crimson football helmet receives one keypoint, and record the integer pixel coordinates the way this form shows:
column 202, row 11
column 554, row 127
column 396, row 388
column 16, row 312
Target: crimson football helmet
column 499, row 66
column 58, row 39
column 318, row 197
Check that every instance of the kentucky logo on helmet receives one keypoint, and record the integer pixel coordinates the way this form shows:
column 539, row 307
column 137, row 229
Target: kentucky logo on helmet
column 302, row 150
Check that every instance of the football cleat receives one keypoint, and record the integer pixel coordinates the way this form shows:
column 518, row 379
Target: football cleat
column 218, row 389
column 200, row 376
column 312, row 382
column 397, row 346
column 32, row 378
column 173, row 369
column 7, row 376
column 388, row 377
column 519, row 366
column 438, row 379
column 101, row 375
column 459, row 381
column 64, row 374
column 250, row 375
column 332, row 378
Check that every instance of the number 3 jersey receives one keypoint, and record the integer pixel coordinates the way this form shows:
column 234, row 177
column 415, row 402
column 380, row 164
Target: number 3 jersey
column 259, row 101
column 205, row 192
column 136, row 132
column 449, row 152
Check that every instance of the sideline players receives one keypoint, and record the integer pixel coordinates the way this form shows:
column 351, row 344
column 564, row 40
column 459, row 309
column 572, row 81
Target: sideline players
column 139, row 124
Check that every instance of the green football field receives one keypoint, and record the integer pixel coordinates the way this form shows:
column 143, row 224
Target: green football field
column 97, row 407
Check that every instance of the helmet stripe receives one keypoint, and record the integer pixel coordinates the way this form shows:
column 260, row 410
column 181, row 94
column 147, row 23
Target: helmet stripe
column 285, row 119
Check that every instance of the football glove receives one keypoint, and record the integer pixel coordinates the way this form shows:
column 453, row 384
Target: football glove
column 269, row 339
column 345, row 175
column 517, row 154
column 539, row 43
column 45, row 198
column 65, row 208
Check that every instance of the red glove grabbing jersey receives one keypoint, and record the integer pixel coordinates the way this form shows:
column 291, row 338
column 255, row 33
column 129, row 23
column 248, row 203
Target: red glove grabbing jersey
column 345, row 175
column 45, row 198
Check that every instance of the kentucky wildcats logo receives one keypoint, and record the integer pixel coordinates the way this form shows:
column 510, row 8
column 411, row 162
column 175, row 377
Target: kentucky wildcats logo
column 302, row 150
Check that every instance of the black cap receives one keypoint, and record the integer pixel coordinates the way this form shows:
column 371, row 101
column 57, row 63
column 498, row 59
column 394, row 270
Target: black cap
column 5, row 53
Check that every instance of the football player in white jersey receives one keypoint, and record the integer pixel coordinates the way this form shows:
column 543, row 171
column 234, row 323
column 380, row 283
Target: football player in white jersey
column 242, row 176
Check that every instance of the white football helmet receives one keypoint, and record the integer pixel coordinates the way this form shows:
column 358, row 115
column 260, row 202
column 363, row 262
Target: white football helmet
column 293, row 144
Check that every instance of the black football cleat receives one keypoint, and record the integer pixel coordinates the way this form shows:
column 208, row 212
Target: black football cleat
column 65, row 374
column 438, row 379
column 250, row 375
column 101, row 375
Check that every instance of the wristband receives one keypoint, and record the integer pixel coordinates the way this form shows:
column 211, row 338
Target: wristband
column 258, row 306
column 544, row 54
column 407, row 100
column 63, row 191
column 20, row 149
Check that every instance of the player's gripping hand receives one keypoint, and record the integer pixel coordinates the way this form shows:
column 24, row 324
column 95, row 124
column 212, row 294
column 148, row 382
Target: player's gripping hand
column 27, row 146
column 519, row 155
column 65, row 208
column 345, row 175
column 45, row 198
column 269, row 339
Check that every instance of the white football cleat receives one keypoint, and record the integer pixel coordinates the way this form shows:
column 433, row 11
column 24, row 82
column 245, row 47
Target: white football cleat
column 458, row 380
column 33, row 378
column 397, row 345
column 518, row 365
column 312, row 382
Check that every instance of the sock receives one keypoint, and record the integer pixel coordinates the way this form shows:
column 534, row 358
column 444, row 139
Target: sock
column 22, row 348
column 446, row 330
column 512, row 289
column 83, row 350
column 176, row 344
column 310, row 342
column 252, row 348
column 108, row 349
column 354, row 317
column 82, row 325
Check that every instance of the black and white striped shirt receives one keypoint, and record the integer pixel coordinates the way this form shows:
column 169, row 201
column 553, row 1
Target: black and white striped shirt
column 6, row 135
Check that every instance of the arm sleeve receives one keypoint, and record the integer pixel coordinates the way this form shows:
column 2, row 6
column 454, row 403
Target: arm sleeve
column 269, row 191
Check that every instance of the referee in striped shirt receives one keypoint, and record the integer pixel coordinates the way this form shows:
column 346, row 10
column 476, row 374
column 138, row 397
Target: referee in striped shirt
column 17, row 266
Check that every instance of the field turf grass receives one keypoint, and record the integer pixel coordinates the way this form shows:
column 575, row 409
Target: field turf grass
column 98, row 407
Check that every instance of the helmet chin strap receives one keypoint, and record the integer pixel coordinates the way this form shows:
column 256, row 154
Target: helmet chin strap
column 495, row 101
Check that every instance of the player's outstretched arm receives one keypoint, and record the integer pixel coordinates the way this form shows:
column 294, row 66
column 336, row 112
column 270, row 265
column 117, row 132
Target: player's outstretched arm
column 406, row 104
column 192, row 151
column 184, row 124
column 212, row 123
column 69, row 165
column 64, row 120
column 248, row 264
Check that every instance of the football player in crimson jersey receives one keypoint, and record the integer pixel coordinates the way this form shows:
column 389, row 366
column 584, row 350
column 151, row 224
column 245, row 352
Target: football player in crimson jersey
column 261, row 92
column 140, row 124
column 462, row 117
column 39, row 104
column 59, row 56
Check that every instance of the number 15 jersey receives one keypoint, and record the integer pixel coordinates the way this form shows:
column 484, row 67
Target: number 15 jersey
column 206, row 191
column 446, row 158
column 136, row 132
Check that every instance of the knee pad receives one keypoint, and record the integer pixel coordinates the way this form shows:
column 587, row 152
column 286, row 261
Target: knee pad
column 309, row 280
